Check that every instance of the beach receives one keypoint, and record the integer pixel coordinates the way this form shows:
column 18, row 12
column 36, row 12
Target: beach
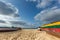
column 27, row 34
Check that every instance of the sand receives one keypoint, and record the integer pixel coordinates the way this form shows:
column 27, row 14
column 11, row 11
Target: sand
column 27, row 34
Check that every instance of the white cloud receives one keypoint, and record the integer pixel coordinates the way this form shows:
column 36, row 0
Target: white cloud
column 4, row 23
column 21, row 24
column 46, row 3
column 7, row 12
column 7, row 9
column 49, row 15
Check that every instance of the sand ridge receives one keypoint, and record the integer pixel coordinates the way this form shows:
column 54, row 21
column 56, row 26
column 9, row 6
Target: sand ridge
column 27, row 34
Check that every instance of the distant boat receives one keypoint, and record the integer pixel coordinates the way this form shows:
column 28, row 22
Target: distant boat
column 3, row 29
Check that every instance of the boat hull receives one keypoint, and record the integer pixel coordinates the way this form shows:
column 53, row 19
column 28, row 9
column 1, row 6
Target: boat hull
column 8, row 29
column 52, row 29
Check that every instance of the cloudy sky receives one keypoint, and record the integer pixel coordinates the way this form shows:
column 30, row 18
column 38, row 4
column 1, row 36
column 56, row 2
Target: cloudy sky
column 28, row 13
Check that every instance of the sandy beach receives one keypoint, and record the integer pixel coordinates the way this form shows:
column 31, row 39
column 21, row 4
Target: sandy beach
column 27, row 34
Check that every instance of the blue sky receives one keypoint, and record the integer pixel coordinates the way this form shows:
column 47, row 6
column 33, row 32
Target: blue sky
column 27, row 10
column 29, row 13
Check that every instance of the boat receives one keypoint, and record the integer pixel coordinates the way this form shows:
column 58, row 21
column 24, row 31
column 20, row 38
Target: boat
column 5, row 29
column 51, row 28
column 54, row 26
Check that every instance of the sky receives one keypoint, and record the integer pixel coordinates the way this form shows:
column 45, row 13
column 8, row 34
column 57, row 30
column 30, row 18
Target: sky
column 28, row 13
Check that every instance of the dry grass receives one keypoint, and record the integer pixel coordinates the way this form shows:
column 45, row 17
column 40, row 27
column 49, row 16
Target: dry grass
column 27, row 34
